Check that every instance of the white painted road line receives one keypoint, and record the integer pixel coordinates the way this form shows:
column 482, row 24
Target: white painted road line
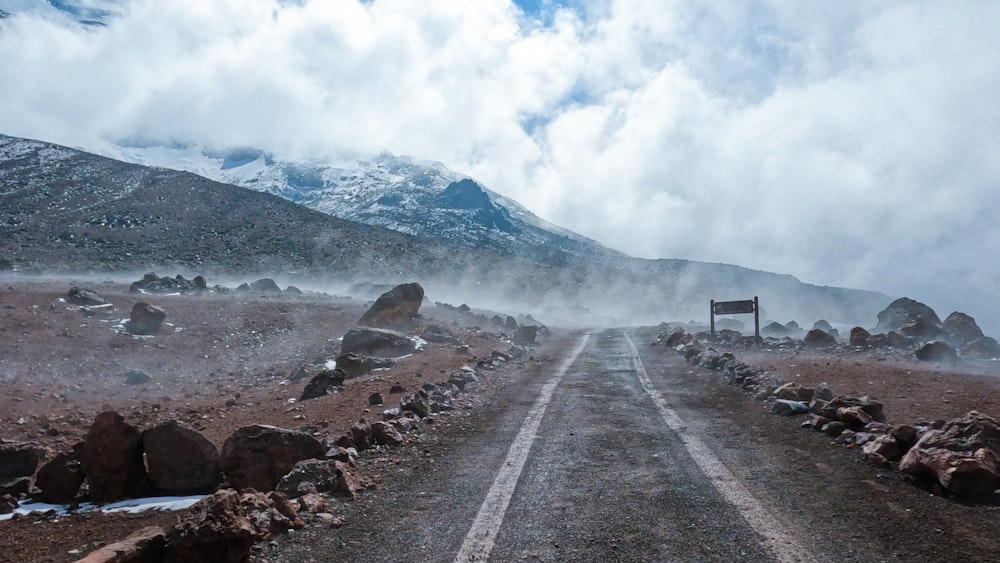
column 479, row 541
column 777, row 540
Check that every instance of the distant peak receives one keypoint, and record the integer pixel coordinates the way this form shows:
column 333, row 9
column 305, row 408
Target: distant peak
column 464, row 194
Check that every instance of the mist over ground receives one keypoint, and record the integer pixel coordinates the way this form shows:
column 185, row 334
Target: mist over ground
column 850, row 145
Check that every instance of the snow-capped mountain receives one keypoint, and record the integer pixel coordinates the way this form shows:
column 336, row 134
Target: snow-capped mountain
column 396, row 192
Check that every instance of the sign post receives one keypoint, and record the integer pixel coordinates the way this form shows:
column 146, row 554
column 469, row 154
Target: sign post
column 736, row 308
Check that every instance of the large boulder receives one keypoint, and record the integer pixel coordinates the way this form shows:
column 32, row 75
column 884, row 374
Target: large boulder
column 961, row 456
column 377, row 342
column 902, row 310
column 112, row 458
column 180, row 461
column 265, row 285
column 775, row 329
column 84, row 297
column 937, row 351
column 922, row 329
column 60, row 479
column 961, row 329
column 524, row 335
column 395, row 307
column 18, row 459
column 859, row 336
column 818, row 338
column 145, row 319
column 983, row 348
column 258, row 456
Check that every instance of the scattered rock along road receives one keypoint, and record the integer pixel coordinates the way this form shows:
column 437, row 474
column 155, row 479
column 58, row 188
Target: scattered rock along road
column 620, row 452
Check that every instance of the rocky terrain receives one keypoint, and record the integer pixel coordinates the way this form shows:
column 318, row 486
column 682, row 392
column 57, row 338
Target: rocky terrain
column 234, row 384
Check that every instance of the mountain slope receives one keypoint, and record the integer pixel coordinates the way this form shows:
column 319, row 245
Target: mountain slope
column 399, row 193
column 63, row 209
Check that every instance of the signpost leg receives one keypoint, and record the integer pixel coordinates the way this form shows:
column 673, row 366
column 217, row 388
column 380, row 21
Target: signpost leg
column 756, row 318
column 711, row 315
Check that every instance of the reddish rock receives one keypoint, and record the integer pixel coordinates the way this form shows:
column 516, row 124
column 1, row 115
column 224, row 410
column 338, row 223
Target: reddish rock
column 144, row 546
column 884, row 446
column 361, row 433
column 145, row 319
column 794, row 392
column 180, row 461
column 282, row 505
column 216, row 529
column 312, row 503
column 395, row 307
column 112, row 458
column 384, row 433
column 350, row 483
column 258, row 456
column 856, row 417
column 60, row 479
column 961, row 456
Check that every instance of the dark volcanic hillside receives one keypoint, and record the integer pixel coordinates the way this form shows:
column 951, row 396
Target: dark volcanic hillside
column 62, row 209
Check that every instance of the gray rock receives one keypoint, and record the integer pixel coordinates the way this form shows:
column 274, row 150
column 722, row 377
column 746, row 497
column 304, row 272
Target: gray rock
column 376, row 342
column 258, row 456
column 137, row 377
column 787, row 408
column 323, row 383
column 145, row 319
column 937, row 351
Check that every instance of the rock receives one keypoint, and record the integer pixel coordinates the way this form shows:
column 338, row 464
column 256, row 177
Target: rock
column 258, row 456
column 312, row 503
column 346, row 455
column 395, row 307
column 937, row 351
column 885, row 446
column 905, row 435
column 112, row 458
column 676, row 338
column 385, row 434
column 350, row 483
column 60, row 479
column 922, row 329
column 984, row 348
column 835, row 428
column 145, row 319
column 180, row 461
column 525, row 335
column 84, row 297
column 823, row 393
column 876, row 459
column 463, row 377
column 144, row 546
column 417, row 402
column 356, row 365
column 18, row 459
column 960, row 329
column 216, row 529
column 8, row 504
column 855, row 416
column 895, row 340
column 361, row 433
column 794, row 392
column 815, row 422
column 376, row 342
column 16, row 487
column 902, row 310
column 817, row 338
column 292, row 290
column 510, row 323
column 284, row 506
column 376, row 399
column 265, row 285
column 6, row 265
column 323, row 383
column 775, row 329
column 440, row 335
column 137, row 377
column 859, row 336
column 310, row 475
column 823, row 325
column 787, row 408
column 961, row 456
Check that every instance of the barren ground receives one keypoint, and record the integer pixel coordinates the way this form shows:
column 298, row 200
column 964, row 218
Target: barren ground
column 60, row 367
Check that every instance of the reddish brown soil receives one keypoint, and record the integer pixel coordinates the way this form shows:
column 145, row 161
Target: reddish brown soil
column 60, row 366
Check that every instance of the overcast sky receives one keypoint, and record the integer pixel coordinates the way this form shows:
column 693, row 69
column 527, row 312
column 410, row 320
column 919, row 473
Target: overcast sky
column 845, row 143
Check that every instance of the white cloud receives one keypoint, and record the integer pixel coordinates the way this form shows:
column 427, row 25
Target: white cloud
column 846, row 144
